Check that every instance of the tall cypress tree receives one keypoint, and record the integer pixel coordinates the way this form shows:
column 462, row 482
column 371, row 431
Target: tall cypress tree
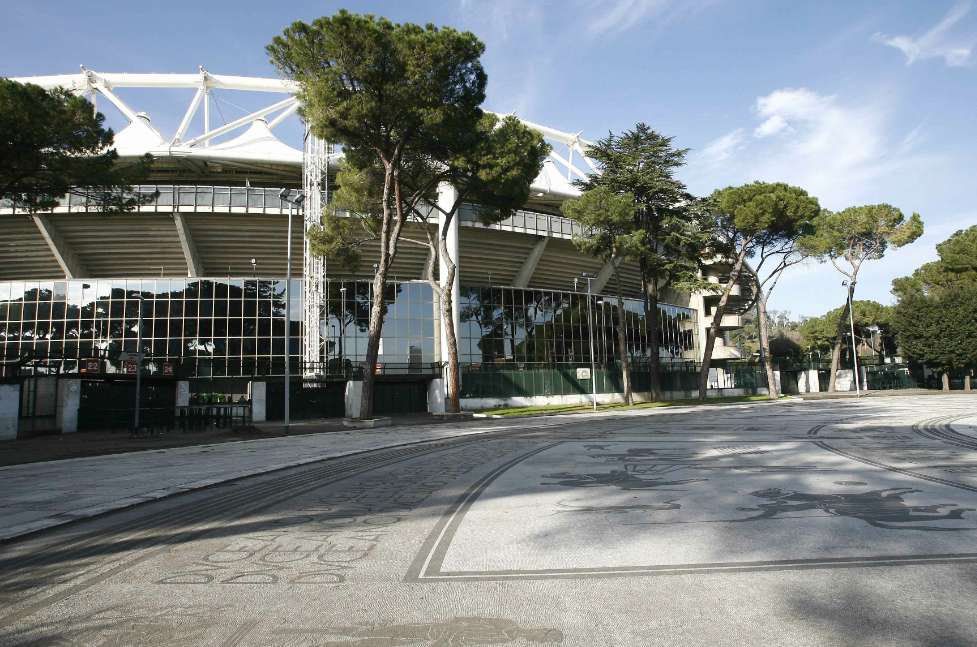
column 670, row 233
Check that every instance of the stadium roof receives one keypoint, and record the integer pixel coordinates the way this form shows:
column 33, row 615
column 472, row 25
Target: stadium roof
column 250, row 140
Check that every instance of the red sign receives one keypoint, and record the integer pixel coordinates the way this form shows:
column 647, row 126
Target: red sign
column 378, row 369
column 167, row 368
column 129, row 368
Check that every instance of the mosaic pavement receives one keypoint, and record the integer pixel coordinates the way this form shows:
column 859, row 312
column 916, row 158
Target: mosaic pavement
column 811, row 523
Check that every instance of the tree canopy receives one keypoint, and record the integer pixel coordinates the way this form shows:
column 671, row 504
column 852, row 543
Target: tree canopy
column 758, row 226
column 939, row 329
column 956, row 267
column 665, row 231
column 822, row 332
column 380, row 87
column 763, row 215
column 673, row 240
column 404, row 102
column 858, row 234
column 53, row 143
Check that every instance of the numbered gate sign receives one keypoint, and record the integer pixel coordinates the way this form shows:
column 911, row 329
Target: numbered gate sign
column 583, row 373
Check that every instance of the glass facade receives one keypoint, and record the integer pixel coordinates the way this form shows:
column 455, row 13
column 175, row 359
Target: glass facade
column 408, row 327
column 501, row 325
column 214, row 327
column 204, row 327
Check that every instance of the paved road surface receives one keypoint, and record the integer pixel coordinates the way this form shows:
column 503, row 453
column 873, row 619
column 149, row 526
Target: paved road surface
column 814, row 523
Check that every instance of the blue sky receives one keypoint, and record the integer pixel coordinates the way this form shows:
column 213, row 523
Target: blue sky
column 858, row 102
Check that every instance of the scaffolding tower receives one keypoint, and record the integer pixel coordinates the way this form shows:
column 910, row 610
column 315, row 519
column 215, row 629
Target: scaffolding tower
column 315, row 182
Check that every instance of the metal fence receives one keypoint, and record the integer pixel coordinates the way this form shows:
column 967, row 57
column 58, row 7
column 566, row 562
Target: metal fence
column 528, row 380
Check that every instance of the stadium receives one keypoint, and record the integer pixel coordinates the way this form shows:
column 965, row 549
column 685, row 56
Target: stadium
column 196, row 277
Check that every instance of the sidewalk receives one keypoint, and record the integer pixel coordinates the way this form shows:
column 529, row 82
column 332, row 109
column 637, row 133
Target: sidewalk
column 35, row 496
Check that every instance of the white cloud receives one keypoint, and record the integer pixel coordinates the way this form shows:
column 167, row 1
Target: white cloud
column 844, row 152
column 937, row 42
column 722, row 148
column 840, row 151
column 771, row 126
column 623, row 14
column 615, row 16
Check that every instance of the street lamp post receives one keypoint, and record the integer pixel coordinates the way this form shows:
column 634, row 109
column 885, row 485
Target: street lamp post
column 285, row 196
column 590, row 329
column 854, row 350
column 135, row 422
column 342, row 327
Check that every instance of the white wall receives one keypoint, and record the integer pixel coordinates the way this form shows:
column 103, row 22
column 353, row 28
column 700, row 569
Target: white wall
column 471, row 404
column 354, row 395
column 259, row 411
column 69, row 400
column 9, row 410
column 436, row 396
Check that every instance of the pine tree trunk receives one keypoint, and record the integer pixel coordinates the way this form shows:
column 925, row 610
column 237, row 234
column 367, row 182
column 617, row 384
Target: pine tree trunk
column 843, row 324
column 946, row 381
column 452, row 384
column 378, row 307
column 377, row 311
column 622, row 349
column 772, row 390
column 717, row 319
column 654, row 339
column 835, row 363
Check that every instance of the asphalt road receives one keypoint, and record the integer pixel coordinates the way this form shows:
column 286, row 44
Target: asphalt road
column 810, row 523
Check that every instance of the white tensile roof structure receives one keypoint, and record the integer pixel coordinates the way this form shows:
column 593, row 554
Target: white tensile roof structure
column 255, row 141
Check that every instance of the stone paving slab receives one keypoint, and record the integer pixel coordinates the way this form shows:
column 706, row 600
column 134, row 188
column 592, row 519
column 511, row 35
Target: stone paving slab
column 36, row 496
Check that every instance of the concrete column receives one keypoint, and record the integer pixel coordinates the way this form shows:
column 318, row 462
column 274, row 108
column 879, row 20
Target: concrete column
column 447, row 195
column 9, row 410
column 183, row 393
column 808, row 382
column 45, row 396
column 69, row 400
column 258, row 400
column 446, row 200
column 354, row 394
column 435, row 396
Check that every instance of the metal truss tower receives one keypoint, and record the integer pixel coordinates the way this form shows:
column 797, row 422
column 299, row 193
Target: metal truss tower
column 315, row 182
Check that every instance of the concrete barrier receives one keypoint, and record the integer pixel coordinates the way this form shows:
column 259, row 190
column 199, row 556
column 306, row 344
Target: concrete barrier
column 9, row 410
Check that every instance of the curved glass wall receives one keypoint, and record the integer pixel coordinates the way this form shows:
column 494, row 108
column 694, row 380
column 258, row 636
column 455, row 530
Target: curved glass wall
column 236, row 326
column 510, row 325
column 203, row 327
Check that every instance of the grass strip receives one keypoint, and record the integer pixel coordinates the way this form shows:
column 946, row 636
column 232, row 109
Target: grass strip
column 554, row 409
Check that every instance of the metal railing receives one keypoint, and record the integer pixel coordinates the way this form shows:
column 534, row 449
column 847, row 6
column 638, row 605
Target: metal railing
column 199, row 417
column 525, row 221
column 190, row 198
column 182, row 198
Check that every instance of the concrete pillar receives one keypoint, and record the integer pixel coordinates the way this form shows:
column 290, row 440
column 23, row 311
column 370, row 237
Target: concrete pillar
column 45, row 396
column 446, row 200
column 69, row 400
column 354, row 394
column 258, row 400
column 9, row 410
column 808, row 381
column 183, row 393
column 436, row 396
column 845, row 380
